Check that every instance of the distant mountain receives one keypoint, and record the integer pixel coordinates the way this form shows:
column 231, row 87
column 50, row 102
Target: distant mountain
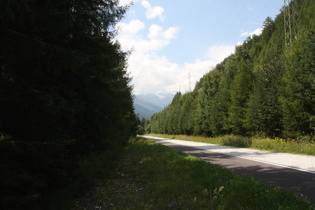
column 147, row 105
column 161, row 100
column 144, row 112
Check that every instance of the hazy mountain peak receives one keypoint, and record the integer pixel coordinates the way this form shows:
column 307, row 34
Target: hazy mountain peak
column 147, row 104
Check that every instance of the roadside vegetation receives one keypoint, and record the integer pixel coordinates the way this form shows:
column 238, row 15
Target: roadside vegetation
column 153, row 176
column 304, row 147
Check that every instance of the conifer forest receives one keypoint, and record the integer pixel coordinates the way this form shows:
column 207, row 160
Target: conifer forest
column 266, row 88
column 65, row 98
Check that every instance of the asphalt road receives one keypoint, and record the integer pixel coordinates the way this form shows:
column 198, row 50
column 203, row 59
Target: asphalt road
column 299, row 181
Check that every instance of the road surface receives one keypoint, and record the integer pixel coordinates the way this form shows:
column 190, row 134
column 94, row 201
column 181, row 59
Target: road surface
column 288, row 171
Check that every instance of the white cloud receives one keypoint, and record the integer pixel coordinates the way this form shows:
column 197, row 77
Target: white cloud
column 130, row 29
column 160, row 38
column 191, row 73
column 153, row 12
column 151, row 73
column 157, row 37
column 218, row 53
column 126, row 2
column 257, row 31
column 145, row 4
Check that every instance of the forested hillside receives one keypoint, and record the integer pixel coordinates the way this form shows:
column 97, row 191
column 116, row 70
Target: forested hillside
column 266, row 88
column 65, row 96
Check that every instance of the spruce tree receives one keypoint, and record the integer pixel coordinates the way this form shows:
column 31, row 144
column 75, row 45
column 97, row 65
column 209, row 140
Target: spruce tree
column 298, row 98
column 64, row 94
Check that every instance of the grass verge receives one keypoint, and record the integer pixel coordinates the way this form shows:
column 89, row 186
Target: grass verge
column 152, row 176
column 267, row 144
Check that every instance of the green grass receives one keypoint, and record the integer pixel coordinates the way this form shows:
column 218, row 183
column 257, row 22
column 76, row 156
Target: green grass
column 152, row 176
column 274, row 145
column 285, row 145
column 236, row 141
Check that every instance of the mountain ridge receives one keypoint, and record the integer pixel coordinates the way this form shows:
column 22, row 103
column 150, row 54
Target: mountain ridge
column 146, row 105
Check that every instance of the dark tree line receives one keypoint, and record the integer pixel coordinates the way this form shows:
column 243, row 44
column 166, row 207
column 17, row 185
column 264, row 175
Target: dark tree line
column 64, row 93
column 263, row 89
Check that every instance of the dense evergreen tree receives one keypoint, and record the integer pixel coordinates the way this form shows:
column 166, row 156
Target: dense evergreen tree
column 64, row 93
column 240, row 92
column 299, row 87
column 264, row 112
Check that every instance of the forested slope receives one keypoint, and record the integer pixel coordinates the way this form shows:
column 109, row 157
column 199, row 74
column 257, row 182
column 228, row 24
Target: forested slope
column 64, row 96
column 264, row 88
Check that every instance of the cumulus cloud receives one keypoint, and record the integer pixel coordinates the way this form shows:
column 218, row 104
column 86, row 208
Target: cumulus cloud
column 218, row 53
column 152, row 73
column 257, row 31
column 153, row 12
column 131, row 28
column 157, row 37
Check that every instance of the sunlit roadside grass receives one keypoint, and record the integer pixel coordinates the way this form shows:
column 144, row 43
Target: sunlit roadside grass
column 285, row 145
column 274, row 145
column 152, row 176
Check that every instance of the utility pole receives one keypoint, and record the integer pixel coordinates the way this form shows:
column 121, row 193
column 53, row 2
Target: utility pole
column 290, row 23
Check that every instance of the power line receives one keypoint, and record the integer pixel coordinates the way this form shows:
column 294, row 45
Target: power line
column 290, row 21
column 244, row 15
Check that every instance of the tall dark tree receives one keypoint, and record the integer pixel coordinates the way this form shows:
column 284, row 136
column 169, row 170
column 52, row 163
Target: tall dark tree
column 64, row 92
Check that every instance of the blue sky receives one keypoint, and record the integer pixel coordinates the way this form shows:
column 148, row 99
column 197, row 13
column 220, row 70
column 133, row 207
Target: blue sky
column 172, row 39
